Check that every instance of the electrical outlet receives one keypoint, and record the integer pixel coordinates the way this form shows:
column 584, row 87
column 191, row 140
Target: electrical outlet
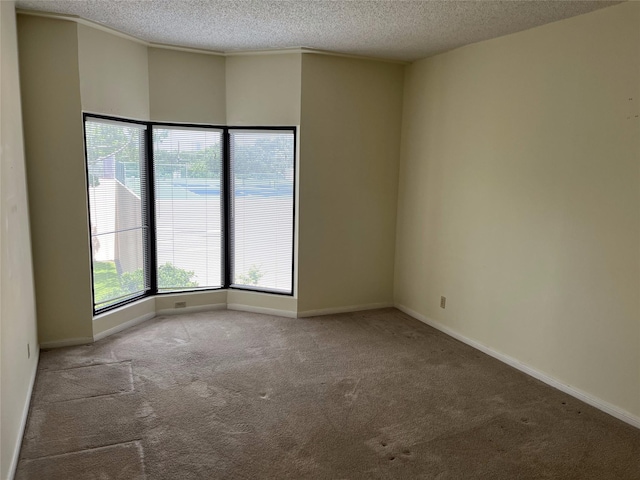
column 180, row 305
column 28, row 351
column 443, row 302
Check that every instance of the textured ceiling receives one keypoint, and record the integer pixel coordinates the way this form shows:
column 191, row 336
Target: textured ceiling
column 392, row 29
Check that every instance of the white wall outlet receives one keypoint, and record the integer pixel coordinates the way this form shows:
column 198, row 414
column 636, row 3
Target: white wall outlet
column 443, row 302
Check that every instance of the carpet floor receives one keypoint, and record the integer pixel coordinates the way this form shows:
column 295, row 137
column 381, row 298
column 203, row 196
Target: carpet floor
column 366, row 395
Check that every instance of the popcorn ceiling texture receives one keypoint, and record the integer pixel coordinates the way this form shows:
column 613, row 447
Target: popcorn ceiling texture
column 400, row 30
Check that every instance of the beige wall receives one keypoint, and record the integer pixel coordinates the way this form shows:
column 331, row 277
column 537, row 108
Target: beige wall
column 187, row 87
column 192, row 300
column 114, row 74
column 120, row 318
column 50, row 82
column 17, row 311
column 349, row 149
column 518, row 194
column 68, row 68
column 263, row 89
column 262, row 303
column 519, row 198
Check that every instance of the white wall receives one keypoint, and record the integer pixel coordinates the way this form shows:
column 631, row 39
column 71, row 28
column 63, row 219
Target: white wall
column 349, row 153
column 17, row 311
column 519, row 198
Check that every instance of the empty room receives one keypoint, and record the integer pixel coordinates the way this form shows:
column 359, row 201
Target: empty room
column 319, row 239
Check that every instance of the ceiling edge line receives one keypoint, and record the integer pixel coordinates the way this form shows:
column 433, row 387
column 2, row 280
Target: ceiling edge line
column 82, row 21
column 232, row 53
column 114, row 31
column 277, row 51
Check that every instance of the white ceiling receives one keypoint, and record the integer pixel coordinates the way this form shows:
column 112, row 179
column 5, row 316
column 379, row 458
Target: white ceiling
column 392, row 29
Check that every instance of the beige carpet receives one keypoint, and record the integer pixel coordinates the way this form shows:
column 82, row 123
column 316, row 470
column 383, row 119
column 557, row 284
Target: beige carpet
column 368, row 395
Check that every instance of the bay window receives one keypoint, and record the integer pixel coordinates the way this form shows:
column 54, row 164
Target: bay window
column 176, row 208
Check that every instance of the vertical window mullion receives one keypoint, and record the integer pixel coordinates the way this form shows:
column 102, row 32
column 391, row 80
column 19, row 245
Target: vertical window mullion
column 151, row 215
column 228, row 209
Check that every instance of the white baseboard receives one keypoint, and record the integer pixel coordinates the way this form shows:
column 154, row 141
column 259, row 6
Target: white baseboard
column 67, row 342
column 124, row 326
column 267, row 311
column 23, row 419
column 347, row 309
column 592, row 400
column 194, row 309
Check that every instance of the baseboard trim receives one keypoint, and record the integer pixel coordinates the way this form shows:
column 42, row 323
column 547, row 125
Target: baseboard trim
column 194, row 309
column 67, row 342
column 124, row 326
column 592, row 400
column 347, row 309
column 23, row 420
column 267, row 311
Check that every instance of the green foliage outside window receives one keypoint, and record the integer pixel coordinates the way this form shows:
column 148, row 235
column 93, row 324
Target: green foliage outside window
column 108, row 285
column 252, row 277
column 170, row 276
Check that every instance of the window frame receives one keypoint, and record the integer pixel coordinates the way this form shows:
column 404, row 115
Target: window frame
column 150, row 247
column 223, row 201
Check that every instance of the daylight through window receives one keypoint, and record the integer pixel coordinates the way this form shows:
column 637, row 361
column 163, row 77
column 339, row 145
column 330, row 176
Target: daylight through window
column 116, row 166
column 180, row 208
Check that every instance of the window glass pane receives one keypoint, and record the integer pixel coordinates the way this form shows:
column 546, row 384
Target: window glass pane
column 187, row 175
column 116, row 178
column 262, row 166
